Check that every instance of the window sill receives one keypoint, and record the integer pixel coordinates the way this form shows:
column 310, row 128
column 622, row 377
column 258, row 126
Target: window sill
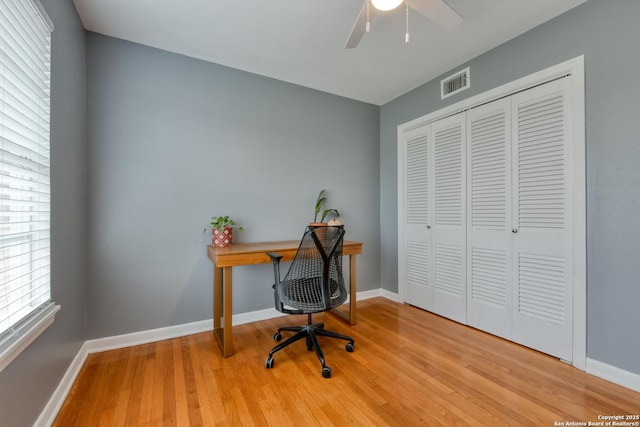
column 13, row 344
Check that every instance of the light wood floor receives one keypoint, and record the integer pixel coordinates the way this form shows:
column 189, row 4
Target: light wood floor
column 409, row 368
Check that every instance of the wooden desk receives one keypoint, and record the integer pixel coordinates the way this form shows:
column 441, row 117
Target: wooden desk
column 256, row 253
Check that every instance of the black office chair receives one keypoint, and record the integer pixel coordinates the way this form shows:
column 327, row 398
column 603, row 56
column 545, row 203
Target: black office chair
column 313, row 284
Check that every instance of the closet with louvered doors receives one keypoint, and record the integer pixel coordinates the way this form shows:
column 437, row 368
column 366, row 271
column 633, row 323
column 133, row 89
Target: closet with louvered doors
column 497, row 218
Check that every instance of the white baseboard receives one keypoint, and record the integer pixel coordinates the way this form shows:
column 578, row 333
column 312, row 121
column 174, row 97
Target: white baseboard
column 367, row 294
column 393, row 296
column 613, row 374
column 378, row 293
column 256, row 316
column 153, row 335
column 50, row 411
column 143, row 337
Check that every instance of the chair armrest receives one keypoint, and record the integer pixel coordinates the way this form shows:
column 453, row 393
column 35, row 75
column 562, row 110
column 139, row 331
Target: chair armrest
column 275, row 258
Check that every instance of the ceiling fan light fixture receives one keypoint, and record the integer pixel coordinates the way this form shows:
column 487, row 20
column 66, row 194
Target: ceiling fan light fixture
column 386, row 4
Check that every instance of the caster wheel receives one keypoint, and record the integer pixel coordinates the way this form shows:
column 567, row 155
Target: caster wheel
column 349, row 347
column 326, row 372
column 268, row 363
column 277, row 336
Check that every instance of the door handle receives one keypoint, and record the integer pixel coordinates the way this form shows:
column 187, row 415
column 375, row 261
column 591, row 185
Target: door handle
column 428, row 227
column 514, row 230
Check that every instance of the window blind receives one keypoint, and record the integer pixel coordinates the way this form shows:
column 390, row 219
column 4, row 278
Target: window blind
column 25, row 51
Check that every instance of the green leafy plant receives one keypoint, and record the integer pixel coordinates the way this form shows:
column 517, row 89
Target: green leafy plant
column 319, row 204
column 221, row 222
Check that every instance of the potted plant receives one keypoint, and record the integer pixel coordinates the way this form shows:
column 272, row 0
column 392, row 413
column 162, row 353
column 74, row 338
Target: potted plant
column 222, row 231
column 324, row 213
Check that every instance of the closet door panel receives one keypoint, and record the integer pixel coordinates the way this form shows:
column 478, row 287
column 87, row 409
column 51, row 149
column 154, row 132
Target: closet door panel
column 542, row 270
column 418, row 262
column 449, row 222
column 489, row 217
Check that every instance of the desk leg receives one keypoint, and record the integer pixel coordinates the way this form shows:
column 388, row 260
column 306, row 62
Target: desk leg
column 227, row 309
column 352, row 289
column 351, row 317
column 222, row 308
column 217, row 298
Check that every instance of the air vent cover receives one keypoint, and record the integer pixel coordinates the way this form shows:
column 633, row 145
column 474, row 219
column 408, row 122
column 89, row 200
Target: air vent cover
column 455, row 83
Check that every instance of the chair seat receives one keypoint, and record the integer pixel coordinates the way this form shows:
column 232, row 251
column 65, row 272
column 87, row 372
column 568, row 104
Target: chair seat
column 305, row 294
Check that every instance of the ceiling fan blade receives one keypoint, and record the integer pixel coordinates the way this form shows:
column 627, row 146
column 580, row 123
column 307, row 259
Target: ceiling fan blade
column 437, row 11
column 360, row 26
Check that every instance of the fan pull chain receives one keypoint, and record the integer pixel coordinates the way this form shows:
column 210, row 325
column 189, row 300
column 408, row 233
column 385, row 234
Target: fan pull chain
column 406, row 36
column 368, row 27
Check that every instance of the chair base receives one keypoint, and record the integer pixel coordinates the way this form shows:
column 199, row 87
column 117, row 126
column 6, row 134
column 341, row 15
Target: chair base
column 310, row 332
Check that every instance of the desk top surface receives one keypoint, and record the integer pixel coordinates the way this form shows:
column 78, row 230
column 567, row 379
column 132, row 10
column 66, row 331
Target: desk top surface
column 256, row 253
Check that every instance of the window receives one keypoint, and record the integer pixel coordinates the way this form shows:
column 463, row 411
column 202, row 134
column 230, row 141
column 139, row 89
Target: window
column 26, row 308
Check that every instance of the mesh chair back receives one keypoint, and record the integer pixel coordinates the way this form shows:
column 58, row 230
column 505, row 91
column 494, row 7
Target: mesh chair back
column 314, row 281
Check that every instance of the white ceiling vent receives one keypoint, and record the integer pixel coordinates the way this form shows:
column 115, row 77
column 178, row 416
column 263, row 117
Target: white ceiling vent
column 455, row 83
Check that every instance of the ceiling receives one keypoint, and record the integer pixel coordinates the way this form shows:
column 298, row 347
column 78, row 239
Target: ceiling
column 302, row 41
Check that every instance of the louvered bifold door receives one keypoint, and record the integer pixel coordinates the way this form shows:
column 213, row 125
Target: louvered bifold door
column 449, row 221
column 542, row 266
column 416, row 269
column 489, row 217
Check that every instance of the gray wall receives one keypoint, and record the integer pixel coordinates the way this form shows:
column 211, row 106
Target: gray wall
column 606, row 33
column 28, row 382
column 174, row 141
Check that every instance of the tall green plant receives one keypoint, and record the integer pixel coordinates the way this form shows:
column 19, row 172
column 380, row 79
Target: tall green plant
column 319, row 204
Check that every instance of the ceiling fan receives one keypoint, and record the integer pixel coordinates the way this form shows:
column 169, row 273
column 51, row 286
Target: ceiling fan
column 435, row 10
